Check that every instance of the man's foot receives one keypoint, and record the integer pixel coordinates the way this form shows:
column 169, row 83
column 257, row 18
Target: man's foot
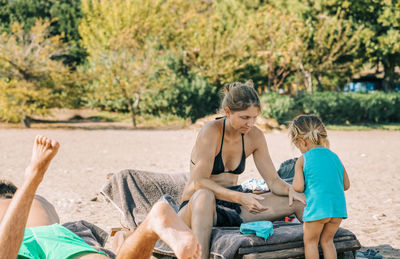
column 44, row 149
column 173, row 231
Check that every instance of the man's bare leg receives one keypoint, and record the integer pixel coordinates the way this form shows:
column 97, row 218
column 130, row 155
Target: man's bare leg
column 278, row 207
column 161, row 223
column 13, row 224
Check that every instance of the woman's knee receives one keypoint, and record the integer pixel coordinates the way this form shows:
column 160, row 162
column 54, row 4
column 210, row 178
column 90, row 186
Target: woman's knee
column 203, row 197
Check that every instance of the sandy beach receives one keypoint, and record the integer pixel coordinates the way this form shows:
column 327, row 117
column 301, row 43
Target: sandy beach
column 372, row 159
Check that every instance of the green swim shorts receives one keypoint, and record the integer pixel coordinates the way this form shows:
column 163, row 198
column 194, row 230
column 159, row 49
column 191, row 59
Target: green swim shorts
column 52, row 242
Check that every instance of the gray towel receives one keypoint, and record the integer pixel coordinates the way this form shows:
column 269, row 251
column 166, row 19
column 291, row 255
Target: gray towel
column 133, row 192
column 91, row 234
column 227, row 241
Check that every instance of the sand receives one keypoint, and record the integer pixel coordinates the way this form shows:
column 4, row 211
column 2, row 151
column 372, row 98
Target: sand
column 72, row 183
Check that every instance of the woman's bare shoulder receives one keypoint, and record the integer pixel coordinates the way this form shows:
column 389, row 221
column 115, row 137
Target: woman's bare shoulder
column 211, row 129
column 255, row 133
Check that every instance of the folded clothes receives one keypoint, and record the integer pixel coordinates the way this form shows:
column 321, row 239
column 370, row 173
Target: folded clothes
column 254, row 185
column 262, row 229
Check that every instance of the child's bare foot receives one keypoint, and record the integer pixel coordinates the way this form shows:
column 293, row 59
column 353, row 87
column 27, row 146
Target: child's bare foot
column 44, row 149
column 173, row 231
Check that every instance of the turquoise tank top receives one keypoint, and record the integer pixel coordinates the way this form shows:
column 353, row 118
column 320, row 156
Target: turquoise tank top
column 323, row 178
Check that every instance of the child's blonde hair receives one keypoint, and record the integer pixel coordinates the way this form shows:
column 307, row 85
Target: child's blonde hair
column 308, row 127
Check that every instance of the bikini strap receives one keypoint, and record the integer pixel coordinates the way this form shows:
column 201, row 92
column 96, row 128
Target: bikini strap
column 223, row 134
column 243, row 143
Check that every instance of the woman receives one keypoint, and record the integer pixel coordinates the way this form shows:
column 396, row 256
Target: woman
column 211, row 197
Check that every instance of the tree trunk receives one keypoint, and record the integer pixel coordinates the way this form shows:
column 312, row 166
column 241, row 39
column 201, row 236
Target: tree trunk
column 318, row 78
column 389, row 74
column 307, row 76
column 133, row 112
column 133, row 107
column 26, row 122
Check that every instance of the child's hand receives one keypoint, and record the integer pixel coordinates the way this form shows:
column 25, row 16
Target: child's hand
column 293, row 195
column 251, row 202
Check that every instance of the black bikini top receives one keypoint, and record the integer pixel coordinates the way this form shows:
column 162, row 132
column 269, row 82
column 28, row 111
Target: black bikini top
column 219, row 167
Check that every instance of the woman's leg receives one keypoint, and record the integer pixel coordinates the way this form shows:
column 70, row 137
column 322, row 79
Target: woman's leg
column 327, row 235
column 278, row 207
column 200, row 215
column 312, row 232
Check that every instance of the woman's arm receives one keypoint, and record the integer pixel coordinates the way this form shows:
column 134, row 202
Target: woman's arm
column 346, row 180
column 298, row 181
column 267, row 170
column 265, row 167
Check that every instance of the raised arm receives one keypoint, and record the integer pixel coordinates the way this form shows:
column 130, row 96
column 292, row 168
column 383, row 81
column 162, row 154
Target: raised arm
column 298, row 181
column 12, row 225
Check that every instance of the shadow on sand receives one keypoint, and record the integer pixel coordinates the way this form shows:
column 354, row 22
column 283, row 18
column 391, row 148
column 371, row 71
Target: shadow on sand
column 79, row 123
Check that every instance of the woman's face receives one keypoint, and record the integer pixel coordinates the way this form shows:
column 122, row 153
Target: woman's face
column 244, row 120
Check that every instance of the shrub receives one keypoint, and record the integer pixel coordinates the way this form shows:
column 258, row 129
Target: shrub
column 335, row 107
column 192, row 97
column 282, row 108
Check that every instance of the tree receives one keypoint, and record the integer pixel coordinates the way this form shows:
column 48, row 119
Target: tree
column 276, row 42
column 380, row 36
column 216, row 39
column 329, row 43
column 124, row 40
column 64, row 17
column 32, row 80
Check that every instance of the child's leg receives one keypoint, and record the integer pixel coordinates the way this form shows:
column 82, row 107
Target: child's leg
column 327, row 235
column 312, row 232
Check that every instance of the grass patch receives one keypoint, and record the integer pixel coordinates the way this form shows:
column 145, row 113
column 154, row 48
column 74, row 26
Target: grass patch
column 364, row 126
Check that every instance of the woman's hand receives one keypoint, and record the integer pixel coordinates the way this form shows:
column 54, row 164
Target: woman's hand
column 251, row 202
column 293, row 195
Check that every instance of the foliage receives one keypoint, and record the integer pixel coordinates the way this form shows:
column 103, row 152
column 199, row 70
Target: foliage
column 124, row 40
column 216, row 40
column 337, row 108
column 64, row 17
column 184, row 93
column 32, row 81
column 380, row 35
column 329, row 43
column 280, row 107
column 276, row 40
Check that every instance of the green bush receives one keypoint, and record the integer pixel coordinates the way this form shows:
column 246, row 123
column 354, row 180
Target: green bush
column 335, row 107
column 184, row 93
column 280, row 107
column 191, row 97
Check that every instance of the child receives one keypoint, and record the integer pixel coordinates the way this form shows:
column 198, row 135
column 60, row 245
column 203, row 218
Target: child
column 323, row 179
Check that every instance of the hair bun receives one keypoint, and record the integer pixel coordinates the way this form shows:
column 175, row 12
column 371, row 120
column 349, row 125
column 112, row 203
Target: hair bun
column 228, row 87
column 249, row 83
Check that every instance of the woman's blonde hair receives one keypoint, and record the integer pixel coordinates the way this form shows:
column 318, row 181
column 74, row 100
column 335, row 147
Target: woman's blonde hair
column 308, row 127
column 240, row 96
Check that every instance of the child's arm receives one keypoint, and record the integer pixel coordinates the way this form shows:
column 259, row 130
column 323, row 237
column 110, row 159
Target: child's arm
column 298, row 181
column 346, row 180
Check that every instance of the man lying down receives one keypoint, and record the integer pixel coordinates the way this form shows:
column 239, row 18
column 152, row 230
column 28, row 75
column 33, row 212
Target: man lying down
column 29, row 224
